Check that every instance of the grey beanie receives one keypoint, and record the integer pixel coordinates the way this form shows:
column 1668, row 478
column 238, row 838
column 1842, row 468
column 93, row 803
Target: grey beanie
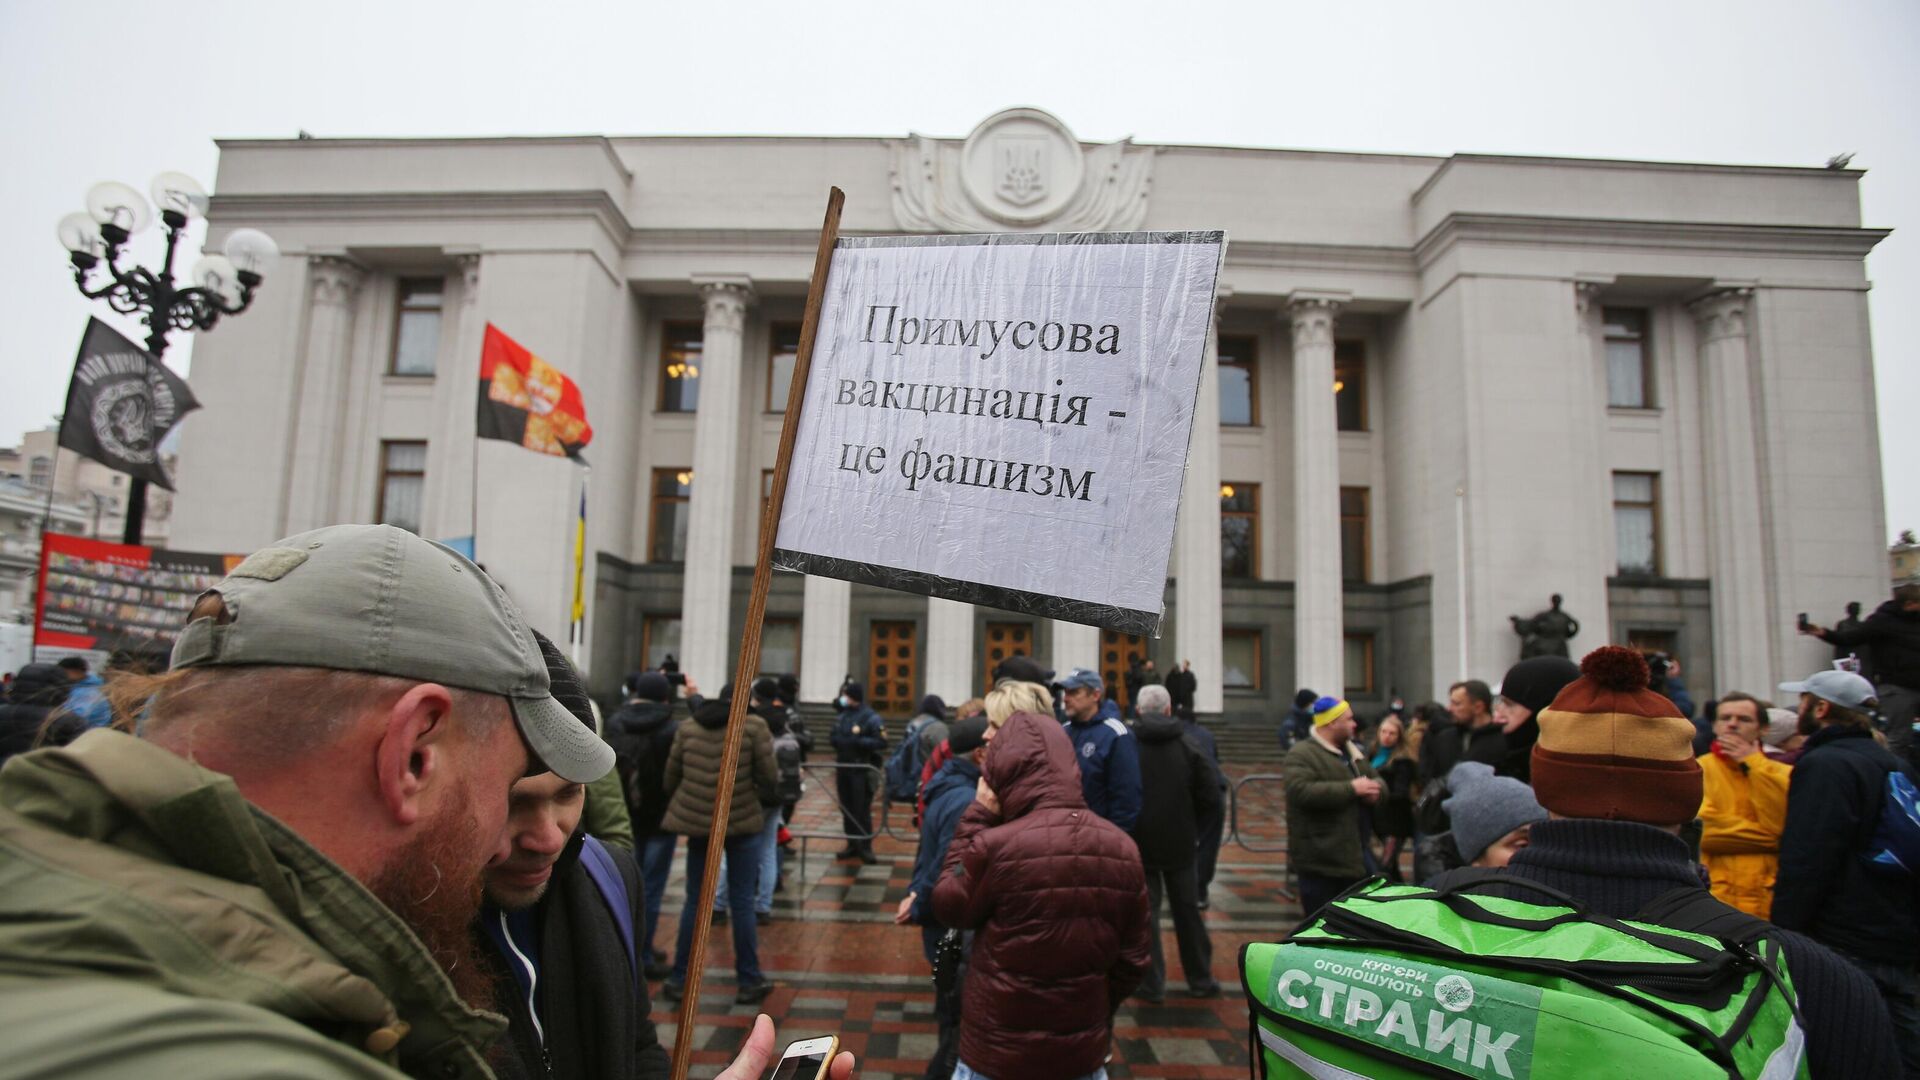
column 1485, row 807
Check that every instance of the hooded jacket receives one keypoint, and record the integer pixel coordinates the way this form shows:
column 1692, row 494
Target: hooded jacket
column 1742, row 811
column 593, row 1011
column 1178, row 789
column 1061, row 941
column 154, row 923
column 641, row 734
column 31, row 699
column 1894, row 635
column 693, row 773
column 948, row 795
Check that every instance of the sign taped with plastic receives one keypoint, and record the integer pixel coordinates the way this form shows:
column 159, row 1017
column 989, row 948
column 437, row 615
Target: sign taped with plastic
column 1003, row 419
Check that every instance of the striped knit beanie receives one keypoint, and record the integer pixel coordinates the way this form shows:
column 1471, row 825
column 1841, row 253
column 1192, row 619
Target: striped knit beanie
column 1327, row 710
column 1611, row 748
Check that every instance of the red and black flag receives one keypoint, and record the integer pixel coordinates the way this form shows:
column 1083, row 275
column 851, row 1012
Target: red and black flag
column 525, row 400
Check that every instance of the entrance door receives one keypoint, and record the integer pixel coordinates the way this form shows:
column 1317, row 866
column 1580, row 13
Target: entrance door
column 893, row 659
column 1005, row 639
column 1117, row 653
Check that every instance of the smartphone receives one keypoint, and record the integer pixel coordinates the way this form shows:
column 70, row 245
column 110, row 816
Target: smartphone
column 807, row 1059
column 1804, row 624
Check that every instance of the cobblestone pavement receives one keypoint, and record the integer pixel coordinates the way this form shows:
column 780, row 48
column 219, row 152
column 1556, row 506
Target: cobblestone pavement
column 842, row 967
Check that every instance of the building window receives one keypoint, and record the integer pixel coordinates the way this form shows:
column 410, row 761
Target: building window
column 1240, row 659
column 680, row 345
column 780, row 647
column 784, row 352
column 1239, row 530
column 1359, row 663
column 403, row 477
column 416, row 331
column 659, row 639
column 667, row 539
column 1239, row 382
column 1629, row 367
column 40, row 473
column 1356, row 548
column 1350, row 385
column 1636, row 523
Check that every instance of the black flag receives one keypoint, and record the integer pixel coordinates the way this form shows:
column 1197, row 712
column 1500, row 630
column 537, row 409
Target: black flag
column 121, row 404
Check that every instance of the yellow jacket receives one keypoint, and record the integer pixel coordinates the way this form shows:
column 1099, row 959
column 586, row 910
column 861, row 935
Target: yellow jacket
column 1743, row 809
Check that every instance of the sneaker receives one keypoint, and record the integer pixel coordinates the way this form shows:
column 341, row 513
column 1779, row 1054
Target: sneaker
column 1210, row 990
column 1151, row 999
column 671, row 990
column 848, row 852
column 762, row 918
column 753, row 993
column 658, row 969
column 868, row 857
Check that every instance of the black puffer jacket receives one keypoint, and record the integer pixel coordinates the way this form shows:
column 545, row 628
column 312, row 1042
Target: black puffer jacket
column 1178, row 790
column 1059, row 898
column 36, row 692
column 1893, row 633
column 641, row 734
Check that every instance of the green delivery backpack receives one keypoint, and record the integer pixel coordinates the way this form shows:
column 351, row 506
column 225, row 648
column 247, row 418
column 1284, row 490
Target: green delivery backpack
column 1401, row 981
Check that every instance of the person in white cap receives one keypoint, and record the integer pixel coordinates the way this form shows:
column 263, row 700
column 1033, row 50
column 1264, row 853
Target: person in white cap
column 1826, row 889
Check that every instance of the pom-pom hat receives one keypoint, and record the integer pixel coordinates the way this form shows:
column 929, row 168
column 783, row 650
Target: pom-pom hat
column 1612, row 748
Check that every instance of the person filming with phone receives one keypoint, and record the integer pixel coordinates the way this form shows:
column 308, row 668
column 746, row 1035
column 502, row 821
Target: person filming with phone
column 1893, row 633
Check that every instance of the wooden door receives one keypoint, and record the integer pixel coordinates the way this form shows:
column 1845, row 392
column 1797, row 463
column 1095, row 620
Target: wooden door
column 1004, row 639
column 893, row 661
column 1117, row 653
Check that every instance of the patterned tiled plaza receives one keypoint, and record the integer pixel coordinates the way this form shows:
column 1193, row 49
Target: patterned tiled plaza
column 843, row 967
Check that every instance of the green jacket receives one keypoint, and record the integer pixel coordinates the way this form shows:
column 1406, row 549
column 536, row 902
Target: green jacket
column 1323, row 813
column 154, row 923
column 606, row 817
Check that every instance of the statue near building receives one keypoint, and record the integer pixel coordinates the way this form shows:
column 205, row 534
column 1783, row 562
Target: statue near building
column 1547, row 633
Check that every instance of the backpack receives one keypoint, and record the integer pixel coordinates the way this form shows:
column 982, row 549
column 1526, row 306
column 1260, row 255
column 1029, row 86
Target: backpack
column 1894, row 850
column 786, row 754
column 1401, row 981
column 613, row 889
column 903, row 765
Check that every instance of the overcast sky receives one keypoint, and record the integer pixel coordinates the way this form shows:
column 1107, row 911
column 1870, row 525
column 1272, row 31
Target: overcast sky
column 124, row 90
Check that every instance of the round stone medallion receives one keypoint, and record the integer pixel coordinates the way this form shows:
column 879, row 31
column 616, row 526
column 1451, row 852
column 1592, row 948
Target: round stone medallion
column 1021, row 166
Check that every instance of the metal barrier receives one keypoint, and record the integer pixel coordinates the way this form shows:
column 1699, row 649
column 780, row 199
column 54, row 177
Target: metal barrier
column 1237, row 834
column 831, row 786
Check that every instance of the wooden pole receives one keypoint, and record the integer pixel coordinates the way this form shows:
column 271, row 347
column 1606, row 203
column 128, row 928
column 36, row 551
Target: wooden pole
column 749, row 663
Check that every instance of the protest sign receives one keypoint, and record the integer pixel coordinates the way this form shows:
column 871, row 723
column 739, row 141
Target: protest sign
column 103, row 598
column 1003, row 419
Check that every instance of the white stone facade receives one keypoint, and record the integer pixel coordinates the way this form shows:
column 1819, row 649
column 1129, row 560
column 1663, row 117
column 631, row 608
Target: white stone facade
column 1473, row 288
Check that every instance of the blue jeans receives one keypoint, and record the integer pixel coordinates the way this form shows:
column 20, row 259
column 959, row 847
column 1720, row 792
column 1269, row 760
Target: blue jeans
column 742, row 868
column 962, row 1071
column 769, row 868
column 656, row 862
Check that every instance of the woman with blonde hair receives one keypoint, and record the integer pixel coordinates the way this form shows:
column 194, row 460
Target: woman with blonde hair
column 1016, row 697
column 1396, row 759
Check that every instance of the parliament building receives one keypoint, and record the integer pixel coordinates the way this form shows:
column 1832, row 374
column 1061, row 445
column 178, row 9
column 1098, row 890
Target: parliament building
column 1441, row 390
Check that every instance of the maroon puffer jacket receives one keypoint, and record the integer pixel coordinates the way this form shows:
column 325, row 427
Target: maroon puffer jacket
column 1060, row 902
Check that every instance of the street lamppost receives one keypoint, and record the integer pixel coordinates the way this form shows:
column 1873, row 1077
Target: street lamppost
column 216, row 285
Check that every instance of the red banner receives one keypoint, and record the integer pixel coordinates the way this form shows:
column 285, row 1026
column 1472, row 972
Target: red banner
column 116, row 597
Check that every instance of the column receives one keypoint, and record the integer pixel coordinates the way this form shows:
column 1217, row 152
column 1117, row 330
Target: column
column 1196, row 571
column 706, row 596
column 825, row 635
column 1075, row 645
column 1319, row 648
column 313, row 483
column 1742, row 642
column 1588, row 397
column 451, row 452
column 949, row 650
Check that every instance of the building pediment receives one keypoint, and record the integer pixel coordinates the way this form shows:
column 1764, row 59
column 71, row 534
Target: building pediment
column 1019, row 170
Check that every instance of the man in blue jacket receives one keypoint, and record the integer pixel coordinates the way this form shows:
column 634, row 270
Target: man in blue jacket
column 859, row 737
column 1109, row 759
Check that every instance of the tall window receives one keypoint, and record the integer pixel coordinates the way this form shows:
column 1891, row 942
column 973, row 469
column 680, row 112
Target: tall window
column 1629, row 368
column 784, row 353
column 1350, row 385
column 1240, row 659
column 1239, row 530
column 1356, row 546
column 1636, row 523
column 1239, row 382
column 667, row 541
column 1359, row 663
column 403, row 477
column 680, row 345
column 416, row 332
column 659, row 638
column 780, row 647
column 40, row 473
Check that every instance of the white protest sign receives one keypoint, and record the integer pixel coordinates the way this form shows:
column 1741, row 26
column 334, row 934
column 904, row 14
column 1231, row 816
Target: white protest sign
column 1003, row 419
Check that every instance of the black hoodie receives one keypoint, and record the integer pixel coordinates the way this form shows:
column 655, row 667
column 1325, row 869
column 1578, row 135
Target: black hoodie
column 1894, row 635
column 641, row 733
column 1178, row 790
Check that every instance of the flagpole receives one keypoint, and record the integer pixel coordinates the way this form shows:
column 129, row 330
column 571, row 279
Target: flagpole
column 749, row 661
column 577, row 623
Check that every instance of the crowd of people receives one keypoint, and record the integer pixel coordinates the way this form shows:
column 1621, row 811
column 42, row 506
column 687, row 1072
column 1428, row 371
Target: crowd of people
column 425, row 835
